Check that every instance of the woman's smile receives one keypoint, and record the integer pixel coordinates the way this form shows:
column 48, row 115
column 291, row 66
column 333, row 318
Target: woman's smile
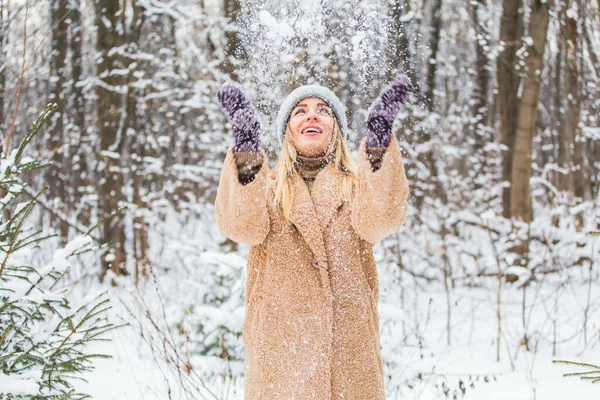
column 312, row 130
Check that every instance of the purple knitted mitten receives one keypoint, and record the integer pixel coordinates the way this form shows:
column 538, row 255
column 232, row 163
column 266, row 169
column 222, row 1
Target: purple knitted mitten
column 241, row 116
column 384, row 109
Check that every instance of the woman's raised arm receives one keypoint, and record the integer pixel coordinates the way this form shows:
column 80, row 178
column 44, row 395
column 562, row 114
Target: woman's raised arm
column 241, row 203
column 380, row 201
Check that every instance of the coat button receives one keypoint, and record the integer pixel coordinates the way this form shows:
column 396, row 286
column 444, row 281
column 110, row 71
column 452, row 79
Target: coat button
column 315, row 263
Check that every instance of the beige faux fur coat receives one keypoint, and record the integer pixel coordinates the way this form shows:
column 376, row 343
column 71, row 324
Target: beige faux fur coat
column 311, row 328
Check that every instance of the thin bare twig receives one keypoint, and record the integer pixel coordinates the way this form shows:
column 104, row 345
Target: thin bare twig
column 83, row 230
column 20, row 86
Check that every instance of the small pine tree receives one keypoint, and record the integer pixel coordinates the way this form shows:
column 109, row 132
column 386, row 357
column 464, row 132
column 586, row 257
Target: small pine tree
column 43, row 336
column 214, row 316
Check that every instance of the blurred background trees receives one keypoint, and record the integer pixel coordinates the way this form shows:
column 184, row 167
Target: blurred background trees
column 506, row 89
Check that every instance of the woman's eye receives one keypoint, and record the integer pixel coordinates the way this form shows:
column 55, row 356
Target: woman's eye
column 298, row 111
column 326, row 111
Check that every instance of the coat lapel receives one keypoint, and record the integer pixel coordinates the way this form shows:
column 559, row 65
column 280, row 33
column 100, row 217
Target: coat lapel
column 311, row 215
column 326, row 195
column 304, row 217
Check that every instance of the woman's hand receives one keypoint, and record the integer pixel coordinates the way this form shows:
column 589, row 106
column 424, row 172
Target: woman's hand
column 241, row 116
column 384, row 109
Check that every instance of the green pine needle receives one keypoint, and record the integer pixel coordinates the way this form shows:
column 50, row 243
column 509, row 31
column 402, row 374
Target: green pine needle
column 592, row 375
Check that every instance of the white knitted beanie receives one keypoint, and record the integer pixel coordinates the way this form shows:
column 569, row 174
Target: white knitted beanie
column 310, row 91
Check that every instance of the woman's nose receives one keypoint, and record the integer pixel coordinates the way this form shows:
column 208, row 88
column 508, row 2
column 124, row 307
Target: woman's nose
column 313, row 115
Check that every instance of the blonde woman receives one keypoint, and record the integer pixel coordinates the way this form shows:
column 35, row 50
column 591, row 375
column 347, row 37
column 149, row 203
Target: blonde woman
column 311, row 328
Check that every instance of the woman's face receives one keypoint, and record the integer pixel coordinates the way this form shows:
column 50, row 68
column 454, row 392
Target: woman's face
column 311, row 124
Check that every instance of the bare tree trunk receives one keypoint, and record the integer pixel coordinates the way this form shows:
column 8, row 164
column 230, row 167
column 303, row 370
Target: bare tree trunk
column 399, row 55
column 589, row 174
column 434, row 42
column 76, row 43
column 572, row 139
column 57, row 188
column 511, row 30
column 570, row 88
column 434, row 45
column 234, row 51
column 480, row 109
column 140, row 236
column 110, row 110
column 79, row 163
column 527, row 117
column 563, row 146
column 574, row 111
column 3, row 46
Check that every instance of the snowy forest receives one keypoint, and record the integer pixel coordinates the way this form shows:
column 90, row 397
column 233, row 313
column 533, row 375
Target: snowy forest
column 115, row 281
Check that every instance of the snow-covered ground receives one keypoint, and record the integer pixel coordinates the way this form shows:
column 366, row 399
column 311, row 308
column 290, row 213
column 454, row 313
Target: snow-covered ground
column 134, row 374
column 420, row 364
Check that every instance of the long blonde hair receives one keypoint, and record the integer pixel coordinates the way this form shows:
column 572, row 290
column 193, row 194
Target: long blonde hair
column 286, row 169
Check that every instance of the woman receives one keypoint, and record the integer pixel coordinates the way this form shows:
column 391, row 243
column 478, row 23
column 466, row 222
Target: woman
column 312, row 327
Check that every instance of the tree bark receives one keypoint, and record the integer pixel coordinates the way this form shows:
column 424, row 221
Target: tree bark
column 572, row 89
column 56, row 133
column 76, row 43
column 527, row 116
column 234, row 51
column 480, row 107
column 3, row 46
column 110, row 109
column 588, row 35
column 562, row 145
column 434, row 45
column 574, row 112
column 79, row 162
column 480, row 110
column 398, row 51
column 511, row 30
column 132, row 124
column 592, row 147
column 426, row 158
